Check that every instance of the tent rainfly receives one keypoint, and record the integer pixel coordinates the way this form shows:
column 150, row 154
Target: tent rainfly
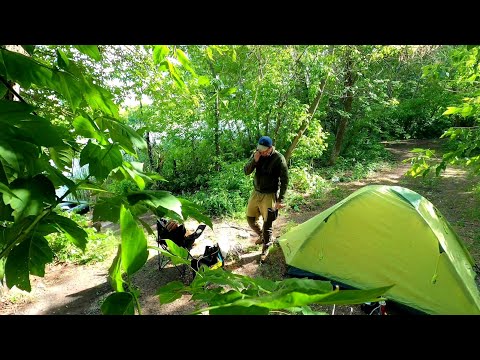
column 388, row 235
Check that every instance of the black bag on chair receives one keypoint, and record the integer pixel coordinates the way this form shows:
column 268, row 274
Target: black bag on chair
column 177, row 235
column 212, row 257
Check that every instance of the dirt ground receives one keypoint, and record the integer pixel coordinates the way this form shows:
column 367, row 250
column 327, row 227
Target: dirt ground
column 68, row 289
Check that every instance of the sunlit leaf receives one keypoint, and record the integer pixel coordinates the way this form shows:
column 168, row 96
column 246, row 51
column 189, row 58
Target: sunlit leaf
column 451, row 110
column 209, row 53
column 156, row 199
column 127, row 137
column 189, row 209
column 159, row 53
column 170, row 292
column 99, row 98
column 85, row 127
column 182, row 57
column 62, row 156
column 92, row 187
column 62, row 59
column 180, row 254
column 203, row 81
column 90, row 50
column 2, row 267
column 176, row 77
column 32, row 196
column 134, row 243
column 115, row 272
column 101, row 160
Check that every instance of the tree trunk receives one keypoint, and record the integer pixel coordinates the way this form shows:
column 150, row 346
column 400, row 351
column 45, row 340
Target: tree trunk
column 311, row 112
column 347, row 107
column 217, row 120
column 149, row 150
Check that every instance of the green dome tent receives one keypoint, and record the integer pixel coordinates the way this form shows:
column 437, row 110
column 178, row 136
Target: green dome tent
column 388, row 235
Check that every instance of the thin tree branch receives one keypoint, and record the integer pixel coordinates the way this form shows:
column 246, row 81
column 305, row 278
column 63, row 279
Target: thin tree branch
column 12, row 90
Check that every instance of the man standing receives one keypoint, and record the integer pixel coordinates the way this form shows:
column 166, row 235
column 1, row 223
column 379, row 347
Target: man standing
column 270, row 184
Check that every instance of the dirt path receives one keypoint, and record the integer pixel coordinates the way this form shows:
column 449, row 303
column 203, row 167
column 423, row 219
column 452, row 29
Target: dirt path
column 70, row 289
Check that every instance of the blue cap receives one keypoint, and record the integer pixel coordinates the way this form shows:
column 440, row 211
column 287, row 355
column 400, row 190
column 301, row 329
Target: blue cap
column 264, row 143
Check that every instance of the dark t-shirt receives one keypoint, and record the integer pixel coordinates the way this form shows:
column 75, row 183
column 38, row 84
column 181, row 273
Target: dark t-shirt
column 271, row 174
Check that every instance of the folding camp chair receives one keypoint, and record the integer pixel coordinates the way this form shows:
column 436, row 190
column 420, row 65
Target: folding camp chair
column 179, row 237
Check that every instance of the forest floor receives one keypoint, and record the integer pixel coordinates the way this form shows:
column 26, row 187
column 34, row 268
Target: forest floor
column 80, row 289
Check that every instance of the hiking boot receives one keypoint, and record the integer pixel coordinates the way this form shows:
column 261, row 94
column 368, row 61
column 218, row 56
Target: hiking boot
column 259, row 240
column 264, row 253
column 265, row 248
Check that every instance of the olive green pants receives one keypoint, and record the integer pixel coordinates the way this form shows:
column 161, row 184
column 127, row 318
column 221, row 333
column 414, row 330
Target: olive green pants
column 257, row 207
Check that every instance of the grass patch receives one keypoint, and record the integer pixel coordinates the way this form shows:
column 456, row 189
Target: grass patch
column 100, row 246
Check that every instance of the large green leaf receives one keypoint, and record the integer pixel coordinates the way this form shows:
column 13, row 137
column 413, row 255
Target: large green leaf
column 24, row 70
column 134, row 243
column 16, row 153
column 4, row 189
column 101, row 160
column 12, row 233
column 159, row 53
column 177, row 254
column 286, row 299
column 92, row 187
column 2, row 268
column 239, row 310
column 17, row 267
column 9, row 107
column 74, row 233
column 120, row 303
column 132, row 174
column 176, row 77
column 87, row 128
column 349, row 297
column 189, row 209
column 170, row 292
column 99, row 98
column 31, row 196
column 29, row 49
column 225, row 278
column 184, row 60
column 62, row 59
column 27, row 71
column 40, row 254
column 155, row 199
column 31, row 128
column 58, row 179
column 307, row 286
column 90, row 50
column 115, row 272
column 138, row 170
column 107, row 209
column 127, row 137
column 62, row 156
column 71, row 88
column 133, row 170
column 18, row 123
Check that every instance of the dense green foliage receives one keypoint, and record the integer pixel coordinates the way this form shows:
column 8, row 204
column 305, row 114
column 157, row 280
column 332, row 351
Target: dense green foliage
column 178, row 152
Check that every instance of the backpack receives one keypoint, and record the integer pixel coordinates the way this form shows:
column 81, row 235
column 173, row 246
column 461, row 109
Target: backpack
column 212, row 257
